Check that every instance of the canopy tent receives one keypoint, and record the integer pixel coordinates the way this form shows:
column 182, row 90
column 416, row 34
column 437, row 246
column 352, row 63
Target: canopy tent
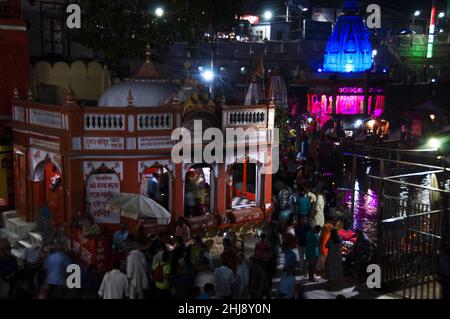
column 135, row 206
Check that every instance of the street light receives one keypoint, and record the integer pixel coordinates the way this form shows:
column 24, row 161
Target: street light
column 441, row 15
column 416, row 14
column 432, row 117
column 268, row 15
column 159, row 12
column 434, row 143
column 208, row 75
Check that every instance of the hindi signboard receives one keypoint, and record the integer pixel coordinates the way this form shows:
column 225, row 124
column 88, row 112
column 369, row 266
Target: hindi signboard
column 104, row 143
column 155, row 142
column 99, row 189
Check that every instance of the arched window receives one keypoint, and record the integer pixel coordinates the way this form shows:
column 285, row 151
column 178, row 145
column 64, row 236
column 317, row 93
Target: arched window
column 198, row 194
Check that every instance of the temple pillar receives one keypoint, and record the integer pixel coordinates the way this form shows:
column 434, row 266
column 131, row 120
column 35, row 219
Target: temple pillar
column 178, row 193
column 221, row 190
column 266, row 189
column 334, row 104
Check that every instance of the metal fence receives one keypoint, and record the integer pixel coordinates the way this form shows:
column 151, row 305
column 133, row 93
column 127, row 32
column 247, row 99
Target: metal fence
column 409, row 231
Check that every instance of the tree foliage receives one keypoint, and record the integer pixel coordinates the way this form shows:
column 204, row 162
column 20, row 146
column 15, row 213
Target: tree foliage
column 121, row 28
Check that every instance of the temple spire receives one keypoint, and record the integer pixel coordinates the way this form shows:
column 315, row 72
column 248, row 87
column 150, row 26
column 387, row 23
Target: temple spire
column 147, row 70
column 351, row 6
column 349, row 48
column 130, row 99
column 148, row 53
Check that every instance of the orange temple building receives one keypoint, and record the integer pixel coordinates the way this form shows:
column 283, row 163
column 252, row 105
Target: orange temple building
column 69, row 159
column 15, row 70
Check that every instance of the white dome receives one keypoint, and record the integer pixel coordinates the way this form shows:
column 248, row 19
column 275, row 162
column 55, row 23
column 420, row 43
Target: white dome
column 145, row 94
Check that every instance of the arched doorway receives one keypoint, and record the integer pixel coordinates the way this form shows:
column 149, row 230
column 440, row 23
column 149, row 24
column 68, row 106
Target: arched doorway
column 198, row 191
column 243, row 185
column 155, row 184
column 47, row 190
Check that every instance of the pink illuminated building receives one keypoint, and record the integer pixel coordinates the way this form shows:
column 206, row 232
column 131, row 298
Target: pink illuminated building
column 343, row 95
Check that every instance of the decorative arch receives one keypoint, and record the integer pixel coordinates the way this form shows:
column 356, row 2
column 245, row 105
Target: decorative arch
column 47, row 189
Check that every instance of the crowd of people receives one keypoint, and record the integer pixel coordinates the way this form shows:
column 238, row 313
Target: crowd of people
column 311, row 224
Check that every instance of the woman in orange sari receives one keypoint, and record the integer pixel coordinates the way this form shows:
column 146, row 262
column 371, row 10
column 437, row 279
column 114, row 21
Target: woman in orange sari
column 323, row 250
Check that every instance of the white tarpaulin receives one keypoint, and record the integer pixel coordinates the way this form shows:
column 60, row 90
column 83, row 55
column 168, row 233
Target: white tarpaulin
column 135, row 206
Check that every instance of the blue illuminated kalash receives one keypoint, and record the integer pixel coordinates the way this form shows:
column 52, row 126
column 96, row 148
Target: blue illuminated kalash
column 347, row 88
column 349, row 48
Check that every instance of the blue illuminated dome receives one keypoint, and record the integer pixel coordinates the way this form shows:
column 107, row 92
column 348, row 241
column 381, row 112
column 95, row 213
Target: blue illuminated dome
column 349, row 48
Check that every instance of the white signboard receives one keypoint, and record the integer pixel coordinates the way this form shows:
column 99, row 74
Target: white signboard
column 91, row 166
column 99, row 189
column 155, row 142
column 104, row 143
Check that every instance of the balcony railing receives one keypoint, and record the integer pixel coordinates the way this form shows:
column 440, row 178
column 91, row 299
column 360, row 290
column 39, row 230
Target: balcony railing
column 104, row 122
column 246, row 116
column 149, row 122
column 126, row 128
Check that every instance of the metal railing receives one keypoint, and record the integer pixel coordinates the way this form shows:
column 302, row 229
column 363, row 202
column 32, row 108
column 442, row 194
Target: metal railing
column 409, row 231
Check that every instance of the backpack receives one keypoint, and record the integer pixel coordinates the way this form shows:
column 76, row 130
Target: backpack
column 158, row 273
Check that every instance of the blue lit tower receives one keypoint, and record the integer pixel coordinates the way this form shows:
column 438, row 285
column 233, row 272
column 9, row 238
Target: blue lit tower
column 349, row 48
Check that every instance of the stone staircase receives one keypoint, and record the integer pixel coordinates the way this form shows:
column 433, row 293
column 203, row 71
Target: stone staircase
column 20, row 234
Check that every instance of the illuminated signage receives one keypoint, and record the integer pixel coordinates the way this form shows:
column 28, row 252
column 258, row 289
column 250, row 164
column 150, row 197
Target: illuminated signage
column 351, row 90
column 431, row 31
column 251, row 19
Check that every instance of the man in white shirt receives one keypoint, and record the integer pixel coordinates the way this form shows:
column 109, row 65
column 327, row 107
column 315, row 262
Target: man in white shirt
column 203, row 278
column 137, row 274
column 224, row 282
column 114, row 284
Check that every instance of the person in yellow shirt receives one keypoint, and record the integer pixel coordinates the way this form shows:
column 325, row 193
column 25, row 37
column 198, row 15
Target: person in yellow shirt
column 161, row 276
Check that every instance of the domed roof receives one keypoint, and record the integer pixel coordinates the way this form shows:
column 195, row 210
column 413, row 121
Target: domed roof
column 145, row 94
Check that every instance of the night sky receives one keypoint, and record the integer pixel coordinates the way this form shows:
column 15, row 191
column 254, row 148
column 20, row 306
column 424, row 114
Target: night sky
column 392, row 7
